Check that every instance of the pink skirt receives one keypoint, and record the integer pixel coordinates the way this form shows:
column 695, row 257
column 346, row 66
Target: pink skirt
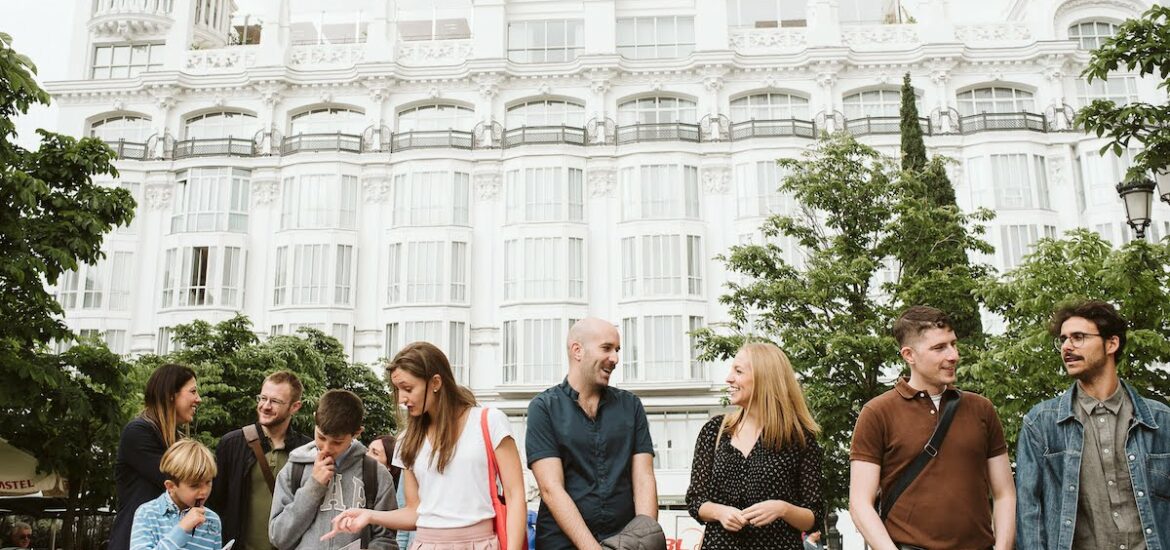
column 481, row 536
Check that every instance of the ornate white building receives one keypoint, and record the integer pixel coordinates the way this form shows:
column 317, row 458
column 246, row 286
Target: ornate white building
column 479, row 173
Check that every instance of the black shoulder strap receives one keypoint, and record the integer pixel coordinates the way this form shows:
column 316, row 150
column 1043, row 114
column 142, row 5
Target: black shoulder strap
column 370, row 482
column 886, row 503
column 298, row 471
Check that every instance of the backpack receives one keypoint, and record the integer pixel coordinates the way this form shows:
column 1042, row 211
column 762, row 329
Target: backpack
column 369, row 482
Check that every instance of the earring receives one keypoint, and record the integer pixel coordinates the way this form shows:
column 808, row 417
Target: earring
column 436, row 391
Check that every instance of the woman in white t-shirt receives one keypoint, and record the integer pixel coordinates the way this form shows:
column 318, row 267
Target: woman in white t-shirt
column 444, row 462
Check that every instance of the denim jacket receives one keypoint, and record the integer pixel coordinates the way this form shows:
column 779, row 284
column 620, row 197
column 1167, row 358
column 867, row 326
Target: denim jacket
column 1049, row 469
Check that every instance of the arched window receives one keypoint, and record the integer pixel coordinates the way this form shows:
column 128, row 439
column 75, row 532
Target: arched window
column 222, row 124
column 1091, row 34
column 549, row 112
column 436, row 117
column 769, row 106
column 130, row 128
column 995, row 100
column 656, row 110
column 328, row 120
column 872, row 103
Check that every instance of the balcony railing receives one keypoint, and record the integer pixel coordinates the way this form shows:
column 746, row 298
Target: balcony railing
column 665, row 131
column 455, row 139
column 337, row 141
column 527, row 135
column 228, row 147
column 883, row 125
column 128, row 150
column 773, row 128
column 1002, row 121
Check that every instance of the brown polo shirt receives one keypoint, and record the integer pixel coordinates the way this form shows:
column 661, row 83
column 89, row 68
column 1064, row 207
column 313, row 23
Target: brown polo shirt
column 948, row 506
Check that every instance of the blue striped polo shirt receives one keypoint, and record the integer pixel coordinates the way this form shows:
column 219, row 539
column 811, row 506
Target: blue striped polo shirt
column 156, row 526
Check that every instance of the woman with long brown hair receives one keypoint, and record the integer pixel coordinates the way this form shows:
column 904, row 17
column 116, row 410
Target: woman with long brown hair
column 171, row 398
column 444, row 462
column 756, row 474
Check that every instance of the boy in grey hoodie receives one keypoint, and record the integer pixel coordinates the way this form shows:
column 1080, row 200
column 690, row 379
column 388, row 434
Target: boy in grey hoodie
column 331, row 481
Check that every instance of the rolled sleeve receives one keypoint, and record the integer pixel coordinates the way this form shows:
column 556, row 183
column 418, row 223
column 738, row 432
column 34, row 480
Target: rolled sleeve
column 540, row 441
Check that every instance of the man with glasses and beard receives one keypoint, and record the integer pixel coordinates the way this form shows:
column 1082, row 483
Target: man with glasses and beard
column 1094, row 463
column 242, row 491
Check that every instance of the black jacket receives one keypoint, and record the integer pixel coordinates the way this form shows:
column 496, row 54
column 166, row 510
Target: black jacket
column 137, row 477
column 229, row 493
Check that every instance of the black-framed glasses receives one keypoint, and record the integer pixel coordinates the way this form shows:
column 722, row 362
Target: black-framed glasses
column 1077, row 339
column 262, row 399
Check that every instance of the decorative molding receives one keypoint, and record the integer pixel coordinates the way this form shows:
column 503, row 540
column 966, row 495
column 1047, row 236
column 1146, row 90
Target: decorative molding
column 880, row 35
column 430, row 53
column 601, row 181
column 768, row 39
column 376, row 188
column 164, row 97
column 993, row 32
column 158, row 196
column 130, row 19
column 221, row 60
column 716, row 178
column 270, row 93
column 488, row 84
column 1056, row 171
column 316, row 55
column 265, row 191
column 487, row 184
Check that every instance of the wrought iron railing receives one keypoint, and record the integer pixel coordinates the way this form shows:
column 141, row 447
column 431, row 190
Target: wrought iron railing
column 336, row 141
column 527, row 135
column 773, row 128
column 456, row 139
column 231, row 147
column 664, row 131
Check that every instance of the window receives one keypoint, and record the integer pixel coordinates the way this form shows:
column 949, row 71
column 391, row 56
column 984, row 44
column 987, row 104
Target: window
column 102, row 285
column 544, row 195
column 1100, row 174
column 545, row 41
column 436, row 117
column 1118, row 89
column 757, row 189
column 767, row 13
column 328, row 120
column 533, row 351
column 211, row 199
column 164, row 343
column 769, row 106
column 134, row 129
column 305, row 274
column 652, row 192
column 125, row 60
column 698, row 367
column 319, row 201
column 1021, row 181
column 995, row 100
column 417, row 274
column 873, row 103
column 665, row 352
column 656, row 110
column 135, row 190
column 1019, row 240
column 661, row 263
column 222, row 124
column 655, row 37
column 869, row 12
column 548, row 112
column 203, row 276
column 544, row 268
column 431, row 198
column 431, row 20
column 1092, row 34
column 674, row 435
column 121, row 279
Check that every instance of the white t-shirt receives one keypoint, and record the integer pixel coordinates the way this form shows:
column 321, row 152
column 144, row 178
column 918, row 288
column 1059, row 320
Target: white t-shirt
column 459, row 496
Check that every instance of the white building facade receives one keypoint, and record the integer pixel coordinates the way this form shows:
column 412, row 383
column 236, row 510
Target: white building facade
column 480, row 173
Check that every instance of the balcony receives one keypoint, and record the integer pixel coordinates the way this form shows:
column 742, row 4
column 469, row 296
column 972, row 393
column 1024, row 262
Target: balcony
column 530, row 135
column 882, row 125
column 665, row 131
column 127, row 150
column 773, row 128
column 1002, row 121
column 131, row 19
column 455, row 139
column 227, row 147
column 348, row 143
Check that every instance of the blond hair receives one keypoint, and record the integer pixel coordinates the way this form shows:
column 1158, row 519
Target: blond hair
column 777, row 400
column 188, row 461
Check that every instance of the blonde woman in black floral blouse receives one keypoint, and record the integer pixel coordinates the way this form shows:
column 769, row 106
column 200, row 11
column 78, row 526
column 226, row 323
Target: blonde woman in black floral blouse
column 756, row 475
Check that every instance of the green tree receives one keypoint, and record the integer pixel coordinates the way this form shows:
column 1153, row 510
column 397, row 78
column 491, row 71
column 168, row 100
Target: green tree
column 913, row 147
column 1021, row 367
column 1141, row 45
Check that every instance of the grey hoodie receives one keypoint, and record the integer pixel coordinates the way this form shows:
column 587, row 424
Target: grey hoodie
column 298, row 521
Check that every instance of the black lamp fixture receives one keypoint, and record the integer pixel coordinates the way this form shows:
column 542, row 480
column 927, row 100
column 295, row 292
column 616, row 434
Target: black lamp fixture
column 1163, row 180
column 1138, row 196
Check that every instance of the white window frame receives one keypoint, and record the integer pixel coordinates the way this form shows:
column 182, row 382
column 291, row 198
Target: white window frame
column 428, row 272
column 125, row 60
column 128, row 128
column 757, row 190
column 651, row 192
column 328, row 120
column 431, row 198
column 1089, row 35
column 544, row 194
column 545, row 268
column 657, row 110
column 650, row 269
column 770, row 106
column 314, row 274
column 882, row 102
column 203, row 276
column 319, row 201
column 221, row 125
column 529, row 41
column 656, row 37
column 533, row 351
column 764, row 14
column 211, row 199
column 545, row 112
column 436, row 117
column 664, row 351
column 996, row 99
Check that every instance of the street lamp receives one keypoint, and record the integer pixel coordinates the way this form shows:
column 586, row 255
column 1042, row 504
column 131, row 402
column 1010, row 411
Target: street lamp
column 1138, row 196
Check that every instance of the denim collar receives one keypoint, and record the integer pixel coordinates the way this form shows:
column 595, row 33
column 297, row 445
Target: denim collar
column 1141, row 410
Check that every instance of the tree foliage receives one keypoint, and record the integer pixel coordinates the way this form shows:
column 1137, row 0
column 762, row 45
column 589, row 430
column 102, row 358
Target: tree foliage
column 828, row 309
column 1021, row 367
column 913, row 147
column 1141, row 45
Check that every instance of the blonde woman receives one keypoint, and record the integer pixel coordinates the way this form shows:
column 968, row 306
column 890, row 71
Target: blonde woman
column 756, row 474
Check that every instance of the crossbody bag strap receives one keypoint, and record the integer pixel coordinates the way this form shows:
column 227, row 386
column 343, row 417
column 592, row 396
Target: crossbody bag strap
column 886, row 503
column 493, row 467
column 252, row 435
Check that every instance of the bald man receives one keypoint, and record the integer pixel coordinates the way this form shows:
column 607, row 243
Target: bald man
column 588, row 445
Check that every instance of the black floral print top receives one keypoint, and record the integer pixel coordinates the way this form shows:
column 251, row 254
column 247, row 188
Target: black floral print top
column 726, row 476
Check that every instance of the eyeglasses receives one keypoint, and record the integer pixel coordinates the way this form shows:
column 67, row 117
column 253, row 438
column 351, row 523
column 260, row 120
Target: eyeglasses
column 24, row 537
column 1077, row 339
column 262, row 399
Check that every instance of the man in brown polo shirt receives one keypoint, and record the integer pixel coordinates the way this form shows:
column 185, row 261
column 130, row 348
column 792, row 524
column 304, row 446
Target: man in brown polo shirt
column 947, row 505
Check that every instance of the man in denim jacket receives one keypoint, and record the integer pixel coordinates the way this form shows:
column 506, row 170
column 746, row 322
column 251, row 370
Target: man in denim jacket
column 1094, row 464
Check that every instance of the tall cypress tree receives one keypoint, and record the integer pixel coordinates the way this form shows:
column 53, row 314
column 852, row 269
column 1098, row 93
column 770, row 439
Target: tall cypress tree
column 913, row 148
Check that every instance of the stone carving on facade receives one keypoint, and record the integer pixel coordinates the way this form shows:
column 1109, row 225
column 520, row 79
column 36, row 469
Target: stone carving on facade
column 439, row 52
column 265, row 190
column 327, row 54
column 716, row 179
column 993, row 32
column 880, row 35
column 544, row 89
column 768, row 39
column 376, row 188
column 270, row 93
column 165, row 97
column 1055, row 172
column 488, row 84
column 487, row 184
column 158, row 196
column 221, row 60
column 601, row 182
column 378, row 89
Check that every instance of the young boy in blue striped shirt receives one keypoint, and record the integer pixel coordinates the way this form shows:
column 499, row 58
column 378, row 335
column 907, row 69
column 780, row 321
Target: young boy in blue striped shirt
column 177, row 518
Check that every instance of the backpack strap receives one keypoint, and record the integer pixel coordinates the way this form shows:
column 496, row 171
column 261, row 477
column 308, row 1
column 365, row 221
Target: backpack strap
column 370, row 482
column 298, row 471
column 252, row 435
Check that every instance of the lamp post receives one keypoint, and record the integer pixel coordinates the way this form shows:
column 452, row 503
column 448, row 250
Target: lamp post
column 1138, row 197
